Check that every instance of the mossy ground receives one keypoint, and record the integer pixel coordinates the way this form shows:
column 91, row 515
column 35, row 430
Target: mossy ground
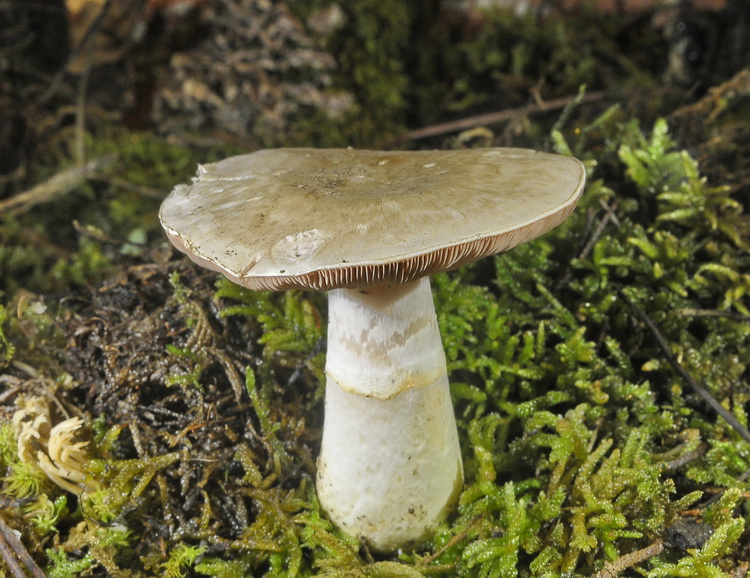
column 585, row 450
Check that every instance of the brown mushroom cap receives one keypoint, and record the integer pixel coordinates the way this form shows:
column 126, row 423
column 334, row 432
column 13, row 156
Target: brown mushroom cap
column 330, row 218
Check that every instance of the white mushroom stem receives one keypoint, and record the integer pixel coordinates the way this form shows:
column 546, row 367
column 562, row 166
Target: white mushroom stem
column 390, row 464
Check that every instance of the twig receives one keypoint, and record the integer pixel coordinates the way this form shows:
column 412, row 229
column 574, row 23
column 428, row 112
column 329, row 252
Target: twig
column 567, row 109
column 612, row 569
column 143, row 190
column 718, row 492
column 91, row 232
column 10, row 560
column 682, row 372
column 717, row 496
column 91, row 32
column 495, row 117
column 712, row 313
column 687, row 457
column 54, row 187
column 11, row 391
column 8, row 539
column 80, row 125
column 609, row 217
column 450, row 543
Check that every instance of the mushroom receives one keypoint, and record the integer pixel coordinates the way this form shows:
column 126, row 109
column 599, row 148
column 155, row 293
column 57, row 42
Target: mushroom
column 370, row 227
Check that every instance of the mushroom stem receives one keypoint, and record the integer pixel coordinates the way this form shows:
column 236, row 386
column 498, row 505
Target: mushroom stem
column 390, row 464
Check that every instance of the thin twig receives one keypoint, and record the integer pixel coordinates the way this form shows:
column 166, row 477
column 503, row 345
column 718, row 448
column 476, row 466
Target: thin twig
column 54, row 187
column 717, row 496
column 91, row 32
column 80, row 125
column 567, row 111
column 687, row 457
column 10, row 392
column 91, row 232
column 494, row 117
column 719, row 492
column 8, row 538
column 612, row 569
column 427, row 560
column 609, row 217
column 143, row 190
column 10, row 560
column 682, row 372
column 687, row 312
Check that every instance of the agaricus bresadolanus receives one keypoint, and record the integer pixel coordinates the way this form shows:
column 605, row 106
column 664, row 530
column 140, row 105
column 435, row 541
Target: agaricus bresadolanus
column 370, row 227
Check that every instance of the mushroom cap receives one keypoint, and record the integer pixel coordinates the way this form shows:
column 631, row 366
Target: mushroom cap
column 330, row 218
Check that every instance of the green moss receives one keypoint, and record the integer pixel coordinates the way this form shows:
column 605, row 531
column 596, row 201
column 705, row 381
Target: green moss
column 7, row 349
column 44, row 514
column 123, row 482
column 180, row 556
column 21, row 480
column 63, row 566
column 289, row 326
